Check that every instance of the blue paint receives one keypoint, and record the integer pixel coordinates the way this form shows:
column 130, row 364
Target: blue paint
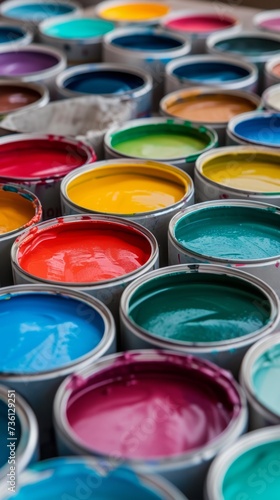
column 146, row 42
column 43, row 331
column 38, row 11
column 263, row 130
column 9, row 34
column 210, row 72
column 103, row 82
column 4, row 450
column 72, row 478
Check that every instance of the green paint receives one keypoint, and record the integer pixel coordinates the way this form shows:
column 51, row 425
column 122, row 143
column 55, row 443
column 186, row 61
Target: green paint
column 199, row 307
column 79, row 28
column 231, row 232
column 254, row 475
column 162, row 141
column 266, row 371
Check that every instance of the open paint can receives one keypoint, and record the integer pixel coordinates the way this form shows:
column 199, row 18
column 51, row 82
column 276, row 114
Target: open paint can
column 199, row 25
column 217, row 105
column 248, row 469
column 96, row 254
column 206, row 310
column 39, row 162
column 272, row 71
column 146, row 192
column 12, row 36
column 132, row 12
column 20, row 96
column 235, row 233
column 19, row 210
column 247, row 172
column 261, row 128
column 32, row 12
column 271, row 98
column 259, row 372
column 155, row 411
column 18, row 438
column 48, row 333
column 211, row 70
column 268, row 20
column 85, row 477
column 162, row 139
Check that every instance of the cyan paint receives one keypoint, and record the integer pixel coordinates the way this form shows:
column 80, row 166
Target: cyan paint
column 103, row 82
column 212, row 72
column 230, row 232
column 265, row 379
column 249, row 46
column 39, row 11
column 69, row 479
column 4, row 450
column 43, row 332
column 198, row 307
column 10, row 34
column 79, row 28
column 262, row 130
column 255, row 474
column 146, row 42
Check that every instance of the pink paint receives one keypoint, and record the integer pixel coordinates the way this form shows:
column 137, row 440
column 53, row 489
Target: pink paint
column 151, row 405
column 201, row 23
column 272, row 24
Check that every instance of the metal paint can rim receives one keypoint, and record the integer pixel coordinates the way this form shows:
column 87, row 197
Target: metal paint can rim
column 269, row 92
column 246, row 117
column 266, row 15
column 104, row 5
column 199, row 347
column 189, row 13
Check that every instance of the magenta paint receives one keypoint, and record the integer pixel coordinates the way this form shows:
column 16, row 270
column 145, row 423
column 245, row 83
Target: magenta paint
column 200, row 23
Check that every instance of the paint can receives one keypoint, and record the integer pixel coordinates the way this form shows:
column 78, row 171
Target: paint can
column 132, row 12
column 39, row 162
column 199, row 25
column 147, row 49
column 258, row 374
column 49, row 333
column 271, row 99
column 146, row 192
column 268, row 20
column 167, row 140
column 218, row 105
column 255, row 47
column 118, row 252
column 209, row 311
column 272, row 71
column 238, row 172
column 33, row 63
column 209, row 70
column 159, row 414
column 19, row 209
column 20, row 96
column 18, row 437
column 82, row 477
column 12, row 35
column 124, row 83
column 235, row 233
column 260, row 128
column 80, row 37
column 247, row 469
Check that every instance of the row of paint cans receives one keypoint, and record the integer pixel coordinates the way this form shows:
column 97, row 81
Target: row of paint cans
column 271, row 99
column 19, row 209
column 272, row 71
column 48, row 333
column 257, row 128
column 146, row 192
column 156, row 411
column 205, row 310
column 235, row 233
column 39, row 162
column 14, row 36
column 217, row 105
column 18, row 96
column 80, row 477
column 18, row 437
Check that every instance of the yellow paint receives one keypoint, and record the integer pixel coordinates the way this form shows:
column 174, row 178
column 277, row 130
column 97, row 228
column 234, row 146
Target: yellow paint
column 252, row 171
column 135, row 12
column 15, row 211
column 128, row 189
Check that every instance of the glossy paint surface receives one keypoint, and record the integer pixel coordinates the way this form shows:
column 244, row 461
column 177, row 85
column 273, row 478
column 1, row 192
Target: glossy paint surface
column 15, row 97
column 266, row 371
column 39, row 11
column 79, row 28
column 210, row 72
column 261, row 130
column 134, row 12
column 200, row 23
column 15, row 211
column 103, row 82
column 17, row 63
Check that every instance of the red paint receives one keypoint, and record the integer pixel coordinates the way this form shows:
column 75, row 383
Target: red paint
column 200, row 23
column 84, row 251
column 41, row 158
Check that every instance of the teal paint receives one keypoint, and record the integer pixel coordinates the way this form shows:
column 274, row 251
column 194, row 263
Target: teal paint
column 199, row 307
column 249, row 46
column 230, row 232
column 254, row 475
column 39, row 11
column 265, row 379
column 79, row 28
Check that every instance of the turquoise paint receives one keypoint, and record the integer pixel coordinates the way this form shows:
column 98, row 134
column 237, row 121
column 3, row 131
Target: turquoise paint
column 254, row 475
column 265, row 373
column 38, row 11
column 79, row 28
column 69, row 479
column 249, row 46
column 43, row 332
column 4, row 450
column 199, row 307
column 229, row 232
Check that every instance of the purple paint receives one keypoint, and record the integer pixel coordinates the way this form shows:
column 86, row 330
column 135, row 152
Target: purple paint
column 21, row 62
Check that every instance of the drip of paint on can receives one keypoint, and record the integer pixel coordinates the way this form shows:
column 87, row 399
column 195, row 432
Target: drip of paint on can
column 10, row 34
column 262, row 130
column 211, row 72
column 39, row 11
column 103, row 82
column 17, row 63
column 266, row 370
column 234, row 233
column 200, row 23
column 79, row 28
column 15, row 211
column 14, row 97
column 133, row 12
column 248, row 46
column 147, row 42
column 199, row 307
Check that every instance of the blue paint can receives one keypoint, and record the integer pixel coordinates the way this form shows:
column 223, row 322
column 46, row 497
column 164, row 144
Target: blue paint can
column 260, row 128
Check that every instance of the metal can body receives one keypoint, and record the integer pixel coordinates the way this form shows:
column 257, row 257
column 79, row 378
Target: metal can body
column 132, row 12
column 225, row 352
column 272, row 71
column 271, row 98
column 186, row 469
column 267, row 269
column 260, row 128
